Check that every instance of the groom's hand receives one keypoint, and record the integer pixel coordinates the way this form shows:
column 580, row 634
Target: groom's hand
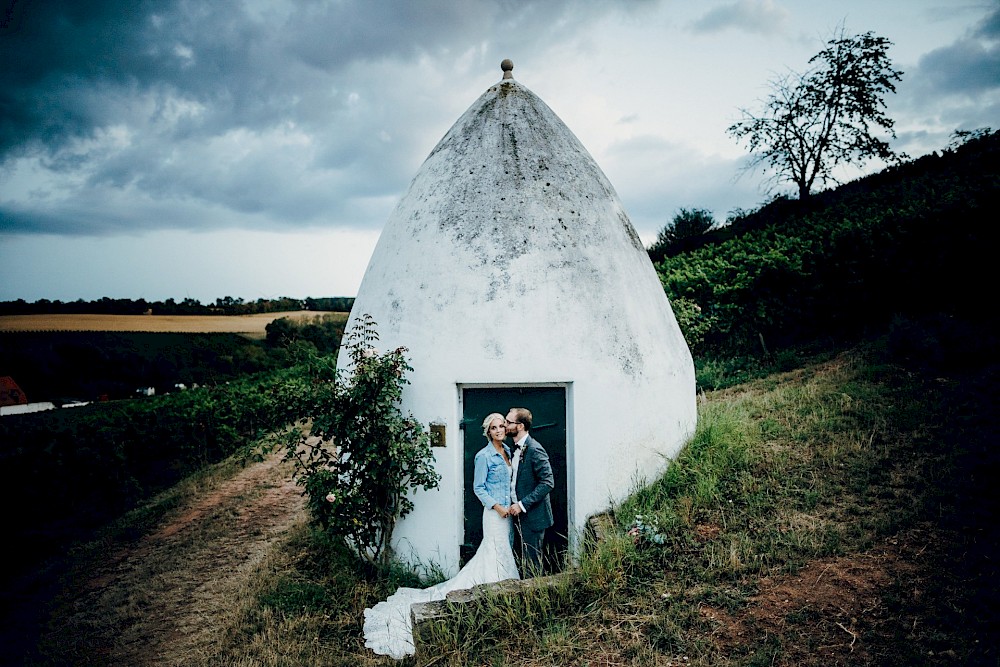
column 514, row 509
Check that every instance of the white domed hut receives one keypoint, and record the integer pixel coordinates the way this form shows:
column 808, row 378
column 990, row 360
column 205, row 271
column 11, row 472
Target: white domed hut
column 513, row 276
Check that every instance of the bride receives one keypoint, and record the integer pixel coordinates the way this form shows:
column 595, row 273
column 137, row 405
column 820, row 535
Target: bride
column 387, row 624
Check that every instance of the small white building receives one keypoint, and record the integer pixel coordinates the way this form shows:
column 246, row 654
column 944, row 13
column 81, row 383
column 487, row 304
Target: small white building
column 26, row 408
column 513, row 276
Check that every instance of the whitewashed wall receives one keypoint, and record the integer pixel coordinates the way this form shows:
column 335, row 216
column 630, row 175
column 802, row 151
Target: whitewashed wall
column 511, row 215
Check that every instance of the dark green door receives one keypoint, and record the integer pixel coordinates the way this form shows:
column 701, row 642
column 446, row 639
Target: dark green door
column 548, row 411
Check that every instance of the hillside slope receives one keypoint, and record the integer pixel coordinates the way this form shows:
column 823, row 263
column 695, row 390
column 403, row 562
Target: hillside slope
column 837, row 514
column 909, row 243
column 165, row 598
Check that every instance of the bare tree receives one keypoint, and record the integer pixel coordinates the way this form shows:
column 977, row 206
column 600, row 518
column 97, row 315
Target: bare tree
column 825, row 117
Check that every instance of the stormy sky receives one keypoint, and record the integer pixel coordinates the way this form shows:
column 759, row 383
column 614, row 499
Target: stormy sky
column 254, row 148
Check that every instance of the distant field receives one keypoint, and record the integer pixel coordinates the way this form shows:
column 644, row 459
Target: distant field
column 239, row 324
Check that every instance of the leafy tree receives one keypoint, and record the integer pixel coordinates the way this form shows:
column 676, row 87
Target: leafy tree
column 280, row 332
column 688, row 223
column 815, row 121
column 228, row 302
column 962, row 137
column 322, row 331
column 360, row 456
column 337, row 303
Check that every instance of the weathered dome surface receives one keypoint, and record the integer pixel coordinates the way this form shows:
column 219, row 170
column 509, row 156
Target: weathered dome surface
column 509, row 206
column 510, row 261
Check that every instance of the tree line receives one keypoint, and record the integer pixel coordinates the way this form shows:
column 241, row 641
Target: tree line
column 222, row 306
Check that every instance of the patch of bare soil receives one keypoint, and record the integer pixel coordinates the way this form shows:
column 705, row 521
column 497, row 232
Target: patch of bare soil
column 870, row 608
column 164, row 599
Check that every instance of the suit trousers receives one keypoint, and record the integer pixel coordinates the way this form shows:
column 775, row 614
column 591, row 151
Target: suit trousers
column 530, row 551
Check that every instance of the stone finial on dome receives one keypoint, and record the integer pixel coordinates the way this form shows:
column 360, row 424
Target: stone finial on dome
column 507, row 65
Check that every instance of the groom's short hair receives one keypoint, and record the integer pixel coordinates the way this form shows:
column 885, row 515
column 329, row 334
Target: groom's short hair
column 523, row 416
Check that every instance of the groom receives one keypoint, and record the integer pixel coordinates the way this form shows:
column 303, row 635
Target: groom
column 531, row 483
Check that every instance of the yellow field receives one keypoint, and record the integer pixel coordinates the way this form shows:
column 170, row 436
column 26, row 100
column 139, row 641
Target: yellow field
column 241, row 324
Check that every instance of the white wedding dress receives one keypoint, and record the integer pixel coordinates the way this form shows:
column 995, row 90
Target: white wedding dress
column 387, row 624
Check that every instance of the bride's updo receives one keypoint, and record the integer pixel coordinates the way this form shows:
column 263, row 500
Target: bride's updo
column 489, row 418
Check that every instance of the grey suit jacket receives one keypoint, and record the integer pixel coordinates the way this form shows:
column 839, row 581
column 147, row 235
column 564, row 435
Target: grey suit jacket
column 533, row 484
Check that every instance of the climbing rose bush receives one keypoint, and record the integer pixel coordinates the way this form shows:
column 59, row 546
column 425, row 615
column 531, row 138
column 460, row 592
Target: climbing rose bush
column 646, row 530
column 359, row 457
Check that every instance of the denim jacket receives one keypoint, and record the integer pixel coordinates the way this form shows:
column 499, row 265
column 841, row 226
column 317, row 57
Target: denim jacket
column 491, row 482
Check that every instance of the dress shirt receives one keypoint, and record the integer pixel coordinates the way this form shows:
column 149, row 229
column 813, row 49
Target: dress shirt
column 513, row 471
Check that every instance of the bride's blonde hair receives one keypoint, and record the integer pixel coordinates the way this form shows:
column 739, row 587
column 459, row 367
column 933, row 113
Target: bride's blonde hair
column 489, row 418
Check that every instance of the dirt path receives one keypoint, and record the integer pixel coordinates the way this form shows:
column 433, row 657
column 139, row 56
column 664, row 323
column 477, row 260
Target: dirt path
column 165, row 599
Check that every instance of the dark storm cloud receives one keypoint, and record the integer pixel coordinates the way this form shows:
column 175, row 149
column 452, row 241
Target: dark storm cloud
column 280, row 108
column 65, row 56
column 56, row 58
column 970, row 65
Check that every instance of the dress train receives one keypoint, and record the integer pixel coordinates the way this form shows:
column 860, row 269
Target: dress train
column 388, row 630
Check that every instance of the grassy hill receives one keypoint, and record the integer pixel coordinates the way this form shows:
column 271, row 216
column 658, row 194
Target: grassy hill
column 836, row 514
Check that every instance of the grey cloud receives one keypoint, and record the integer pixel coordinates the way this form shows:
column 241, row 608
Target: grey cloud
column 90, row 216
column 672, row 176
column 184, row 103
column 754, row 16
column 970, row 65
column 245, row 69
column 57, row 52
column 953, row 87
column 105, row 212
column 989, row 27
